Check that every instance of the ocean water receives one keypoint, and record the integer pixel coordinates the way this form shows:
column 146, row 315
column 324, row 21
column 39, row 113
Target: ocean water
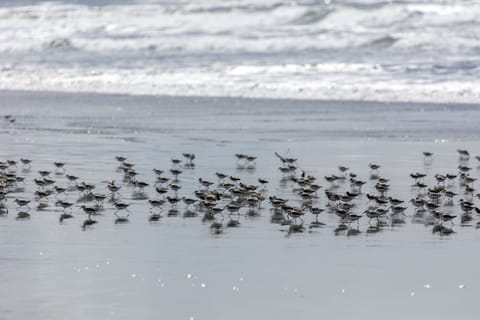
column 378, row 50
column 176, row 268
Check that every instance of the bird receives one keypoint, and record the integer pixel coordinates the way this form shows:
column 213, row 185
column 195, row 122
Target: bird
column 22, row 203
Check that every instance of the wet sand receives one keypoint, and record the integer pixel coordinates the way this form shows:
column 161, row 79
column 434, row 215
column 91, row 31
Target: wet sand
column 176, row 268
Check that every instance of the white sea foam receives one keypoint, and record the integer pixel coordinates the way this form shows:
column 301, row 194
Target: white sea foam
column 374, row 50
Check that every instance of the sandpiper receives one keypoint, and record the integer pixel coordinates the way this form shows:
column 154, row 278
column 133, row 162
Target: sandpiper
column 22, row 203
column 141, row 185
column 26, row 163
column 120, row 158
column 121, row 206
column 175, row 173
column 263, row 182
column 463, row 154
column 71, row 179
column 59, row 167
column 158, row 172
column 205, row 183
column 444, row 217
column 161, row 190
column 374, row 170
column 221, row 176
column 99, row 198
column 176, row 162
column 188, row 201
column 89, row 210
column 250, row 161
column 175, row 187
column 285, row 159
column 156, row 204
column 64, row 204
column 240, row 157
column 189, row 157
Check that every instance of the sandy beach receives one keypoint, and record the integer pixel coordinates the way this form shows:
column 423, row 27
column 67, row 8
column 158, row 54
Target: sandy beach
column 176, row 268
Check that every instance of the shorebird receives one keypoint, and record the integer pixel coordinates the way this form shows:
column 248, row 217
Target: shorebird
column 71, row 179
column 351, row 217
column 175, row 173
column 89, row 210
column 173, row 200
column 176, row 162
column 285, row 159
column 127, row 165
column 140, row 185
column 463, row 154
column 464, row 169
column 343, row 169
column 162, row 180
column 99, row 198
column 205, row 183
column 418, row 203
column 64, row 204
column 120, row 159
column 42, row 194
column 251, row 161
column 372, row 214
column 189, row 157
column 395, row 202
column 444, row 217
column 26, row 163
column 427, row 155
column 188, row 201
column 59, row 167
column 156, row 203
column 234, row 179
column 175, row 187
column 398, row 210
column 356, row 185
column 418, row 177
column 232, row 208
column 332, row 179
column 161, row 190
column 44, row 173
column 112, row 187
column 12, row 163
column 316, row 211
column 59, row 190
column 240, row 157
column 22, row 203
column 158, row 172
column 121, row 206
column 221, row 176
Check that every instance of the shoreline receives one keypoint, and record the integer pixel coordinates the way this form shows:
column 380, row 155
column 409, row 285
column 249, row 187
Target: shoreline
column 252, row 118
column 57, row 93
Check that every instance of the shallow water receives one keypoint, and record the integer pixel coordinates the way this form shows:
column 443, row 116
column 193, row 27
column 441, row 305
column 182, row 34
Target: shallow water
column 176, row 268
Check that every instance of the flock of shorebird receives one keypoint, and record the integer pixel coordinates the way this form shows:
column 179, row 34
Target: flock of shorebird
column 222, row 200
